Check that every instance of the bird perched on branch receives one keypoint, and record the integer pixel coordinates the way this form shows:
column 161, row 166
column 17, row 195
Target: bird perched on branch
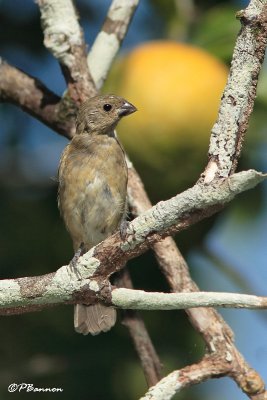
column 92, row 190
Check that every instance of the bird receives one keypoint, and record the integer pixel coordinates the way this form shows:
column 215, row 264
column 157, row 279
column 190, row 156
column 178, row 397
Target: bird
column 92, row 190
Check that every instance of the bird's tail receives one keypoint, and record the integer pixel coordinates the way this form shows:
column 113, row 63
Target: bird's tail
column 93, row 319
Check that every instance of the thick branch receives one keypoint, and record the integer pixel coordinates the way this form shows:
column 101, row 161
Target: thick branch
column 128, row 299
column 202, row 319
column 206, row 321
column 67, row 286
column 216, row 333
column 63, row 36
column 108, row 41
column 239, row 95
column 213, row 329
column 33, row 97
column 185, row 208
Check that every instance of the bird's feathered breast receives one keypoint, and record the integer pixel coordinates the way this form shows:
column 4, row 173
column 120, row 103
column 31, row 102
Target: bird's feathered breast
column 92, row 187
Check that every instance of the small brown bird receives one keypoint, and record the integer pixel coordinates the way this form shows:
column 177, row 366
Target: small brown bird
column 92, row 190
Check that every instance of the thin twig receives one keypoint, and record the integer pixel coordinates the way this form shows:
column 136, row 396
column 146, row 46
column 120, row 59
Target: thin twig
column 144, row 347
column 141, row 300
column 108, row 41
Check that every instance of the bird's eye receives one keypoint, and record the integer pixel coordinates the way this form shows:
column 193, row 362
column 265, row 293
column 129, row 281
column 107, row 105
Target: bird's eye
column 107, row 107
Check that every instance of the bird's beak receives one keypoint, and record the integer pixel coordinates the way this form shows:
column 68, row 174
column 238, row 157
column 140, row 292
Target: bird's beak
column 126, row 109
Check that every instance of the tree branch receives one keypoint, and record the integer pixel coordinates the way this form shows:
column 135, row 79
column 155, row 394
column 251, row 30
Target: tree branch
column 238, row 98
column 141, row 300
column 127, row 299
column 188, row 376
column 67, row 286
column 224, row 151
column 102, row 54
column 67, row 44
column 144, row 347
column 63, row 36
column 35, row 98
column 108, row 41
column 209, row 367
column 216, row 333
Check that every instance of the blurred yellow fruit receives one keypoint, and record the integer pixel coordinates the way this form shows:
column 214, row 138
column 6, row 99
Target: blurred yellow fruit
column 176, row 88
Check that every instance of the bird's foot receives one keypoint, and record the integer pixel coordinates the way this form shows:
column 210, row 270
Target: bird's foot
column 74, row 260
column 123, row 229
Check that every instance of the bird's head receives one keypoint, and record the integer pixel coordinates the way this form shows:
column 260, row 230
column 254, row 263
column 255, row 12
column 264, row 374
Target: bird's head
column 100, row 114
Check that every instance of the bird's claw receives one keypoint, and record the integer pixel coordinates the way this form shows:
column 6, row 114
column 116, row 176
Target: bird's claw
column 74, row 260
column 123, row 229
